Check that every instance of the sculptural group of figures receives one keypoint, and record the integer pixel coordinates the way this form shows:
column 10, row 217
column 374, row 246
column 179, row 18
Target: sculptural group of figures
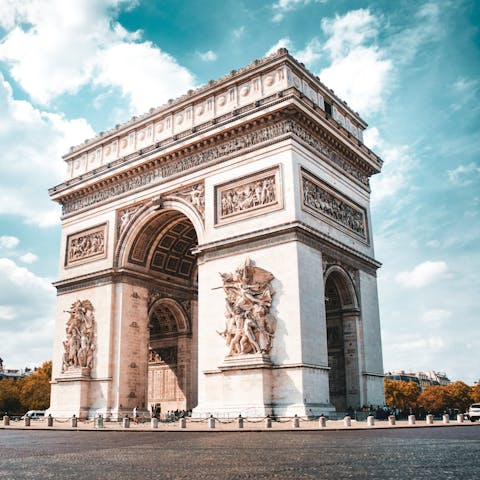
column 79, row 346
column 261, row 192
column 249, row 326
column 319, row 199
column 86, row 245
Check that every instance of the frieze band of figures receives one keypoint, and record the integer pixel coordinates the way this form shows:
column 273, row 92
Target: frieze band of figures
column 241, row 142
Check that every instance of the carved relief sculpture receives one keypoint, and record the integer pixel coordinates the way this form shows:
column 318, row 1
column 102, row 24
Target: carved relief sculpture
column 125, row 217
column 195, row 195
column 87, row 245
column 257, row 192
column 79, row 345
column 249, row 327
column 319, row 199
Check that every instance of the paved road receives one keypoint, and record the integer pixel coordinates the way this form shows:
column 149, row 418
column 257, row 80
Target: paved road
column 415, row 454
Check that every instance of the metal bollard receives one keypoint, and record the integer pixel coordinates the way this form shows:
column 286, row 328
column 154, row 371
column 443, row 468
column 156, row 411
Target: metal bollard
column 268, row 422
column 100, row 421
column 27, row 421
column 296, row 422
column 391, row 420
column 446, row 418
column 347, row 421
column 211, row 422
column 154, row 422
column 126, row 422
column 74, row 421
column 370, row 420
column 322, row 422
column 460, row 418
column 183, row 422
column 6, row 420
column 240, row 421
column 429, row 419
column 411, row 419
column 49, row 420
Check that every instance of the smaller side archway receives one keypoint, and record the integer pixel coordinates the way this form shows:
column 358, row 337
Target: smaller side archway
column 343, row 339
column 171, row 375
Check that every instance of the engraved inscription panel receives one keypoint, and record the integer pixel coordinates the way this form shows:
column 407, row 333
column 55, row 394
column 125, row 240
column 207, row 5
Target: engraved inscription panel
column 318, row 198
column 86, row 246
column 248, row 196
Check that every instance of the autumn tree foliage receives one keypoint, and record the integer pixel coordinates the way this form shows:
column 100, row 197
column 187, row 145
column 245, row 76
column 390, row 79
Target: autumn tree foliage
column 476, row 393
column 10, row 396
column 35, row 389
column 437, row 398
column 401, row 395
column 27, row 393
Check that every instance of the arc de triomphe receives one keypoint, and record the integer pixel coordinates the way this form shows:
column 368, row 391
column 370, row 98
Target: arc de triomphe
column 217, row 255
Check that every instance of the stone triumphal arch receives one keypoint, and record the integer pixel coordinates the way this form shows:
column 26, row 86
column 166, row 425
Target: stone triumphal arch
column 217, row 256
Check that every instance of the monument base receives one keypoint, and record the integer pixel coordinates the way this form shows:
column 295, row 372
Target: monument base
column 251, row 386
column 243, row 386
column 72, row 389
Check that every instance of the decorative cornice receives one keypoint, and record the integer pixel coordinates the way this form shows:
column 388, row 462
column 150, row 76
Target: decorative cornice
column 114, row 275
column 288, row 232
column 255, row 134
column 277, row 59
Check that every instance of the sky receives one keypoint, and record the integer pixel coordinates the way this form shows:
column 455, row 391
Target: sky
column 72, row 68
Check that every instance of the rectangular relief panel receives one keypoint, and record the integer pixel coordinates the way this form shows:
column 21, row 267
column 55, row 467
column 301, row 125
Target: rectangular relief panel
column 323, row 201
column 249, row 196
column 86, row 246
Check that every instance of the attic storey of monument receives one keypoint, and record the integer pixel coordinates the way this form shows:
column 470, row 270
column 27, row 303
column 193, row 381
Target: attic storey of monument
column 204, row 235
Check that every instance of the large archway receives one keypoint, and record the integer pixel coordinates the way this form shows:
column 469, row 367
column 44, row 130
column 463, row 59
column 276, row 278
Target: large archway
column 158, row 247
column 342, row 317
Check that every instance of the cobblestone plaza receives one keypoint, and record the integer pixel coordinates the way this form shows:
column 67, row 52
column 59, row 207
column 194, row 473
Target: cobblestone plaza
column 402, row 453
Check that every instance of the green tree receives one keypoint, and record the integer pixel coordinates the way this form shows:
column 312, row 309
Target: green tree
column 401, row 395
column 35, row 389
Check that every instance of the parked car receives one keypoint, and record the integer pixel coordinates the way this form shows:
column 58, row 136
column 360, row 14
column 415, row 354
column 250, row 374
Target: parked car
column 474, row 412
column 35, row 414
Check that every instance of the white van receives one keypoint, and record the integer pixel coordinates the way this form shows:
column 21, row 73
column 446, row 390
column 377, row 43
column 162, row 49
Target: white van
column 474, row 412
column 35, row 414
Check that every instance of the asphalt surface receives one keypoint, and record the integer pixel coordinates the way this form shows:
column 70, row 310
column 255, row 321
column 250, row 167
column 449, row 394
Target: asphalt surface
column 408, row 453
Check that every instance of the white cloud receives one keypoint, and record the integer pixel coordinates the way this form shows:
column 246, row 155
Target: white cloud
column 348, row 31
column 463, row 84
column 360, row 70
column 145, row 74
column 33, row 141
column 360, row 78
column 7, row 312
column 12, row 276
column 7, row 241
column 425, row 27
column 397, row 167
column 238, row 32
column 423, row 274
column 283, row 6
column 208, row 56
column 282, row 43
column 29, row 258
column 56, row 47
column 27, row 311
column 464, row 174
column 435, row 316
column 310, row 54
column 433, row 344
